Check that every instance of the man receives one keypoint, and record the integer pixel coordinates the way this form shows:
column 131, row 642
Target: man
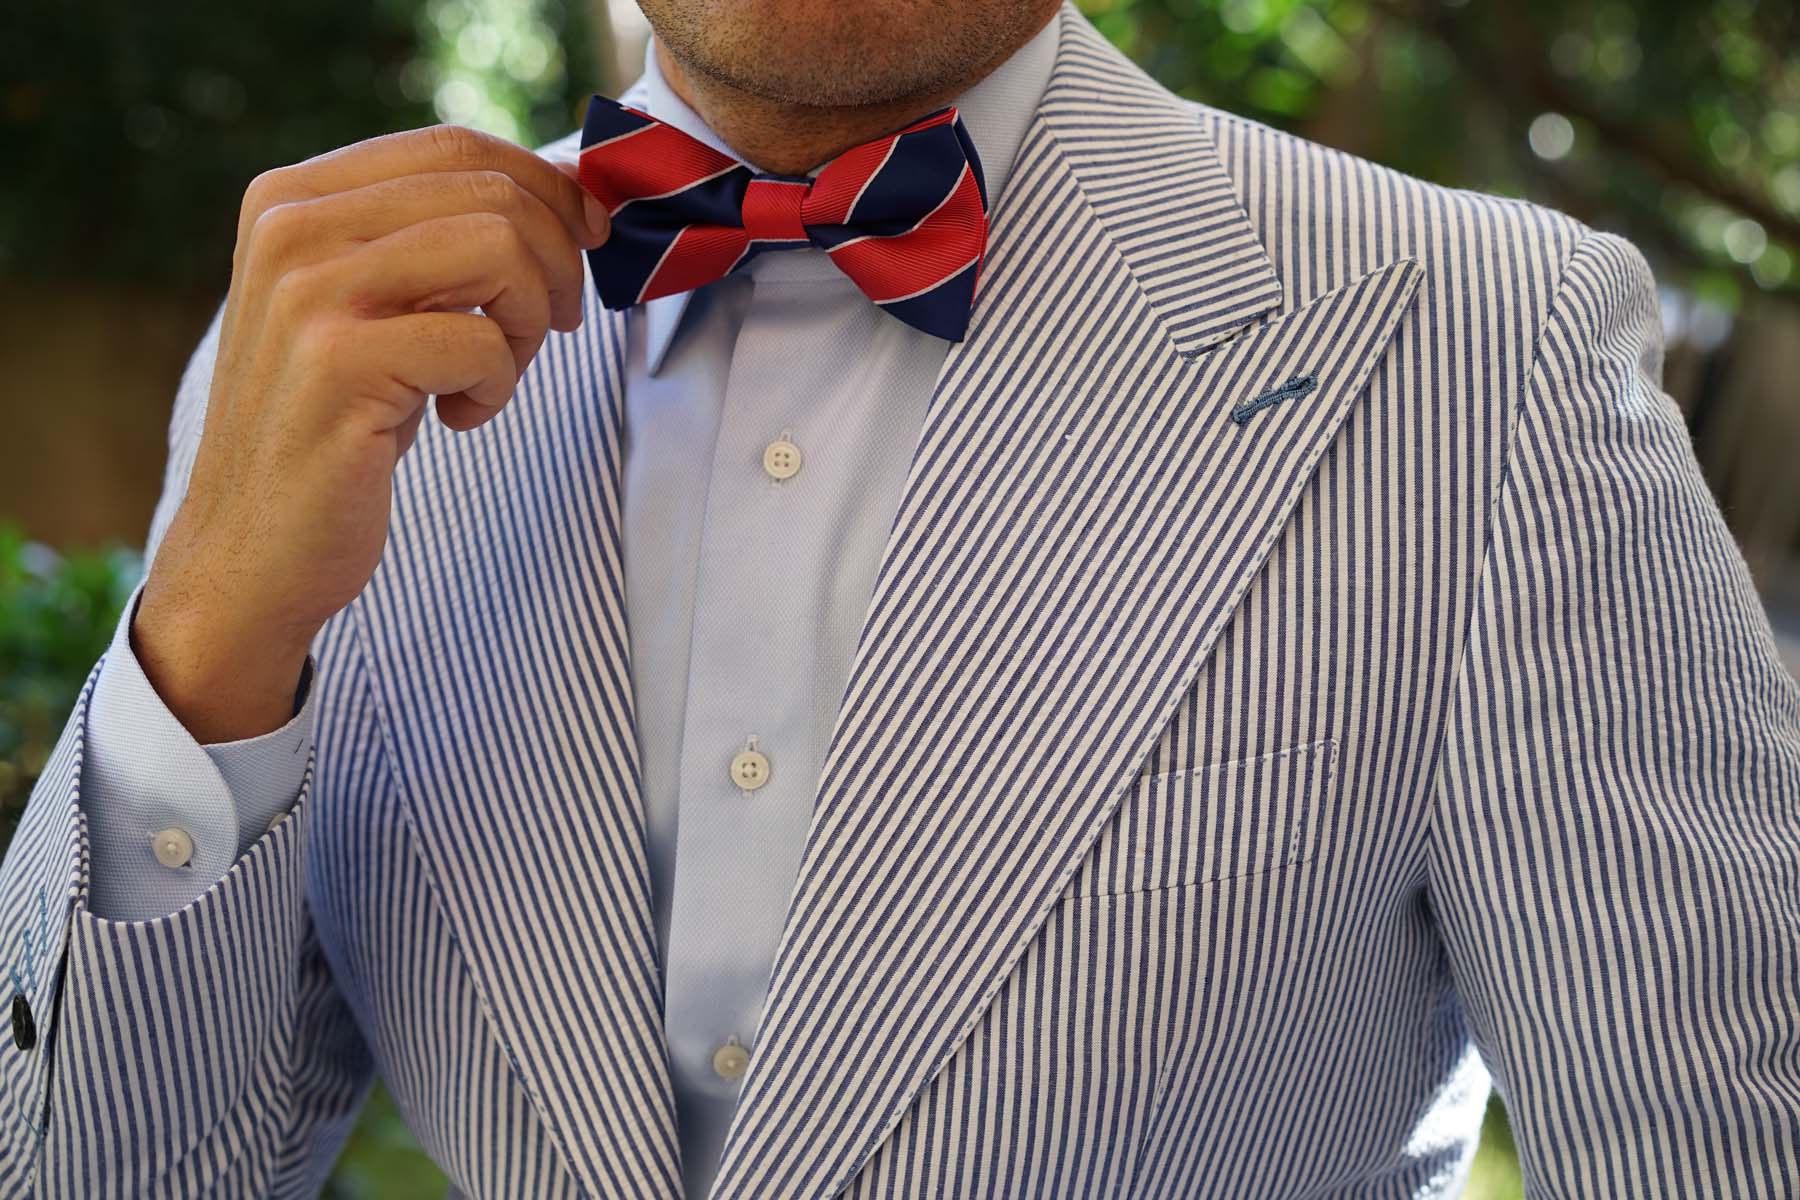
column 1175, row 736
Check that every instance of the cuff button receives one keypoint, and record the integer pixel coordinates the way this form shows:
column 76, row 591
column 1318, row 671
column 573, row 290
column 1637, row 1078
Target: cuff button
column 24, row 1028
column 173, row 847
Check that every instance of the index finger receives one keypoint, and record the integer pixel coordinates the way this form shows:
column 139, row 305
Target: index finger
column 422, row 151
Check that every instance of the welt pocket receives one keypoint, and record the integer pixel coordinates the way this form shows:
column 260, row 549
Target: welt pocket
column 1221, row 821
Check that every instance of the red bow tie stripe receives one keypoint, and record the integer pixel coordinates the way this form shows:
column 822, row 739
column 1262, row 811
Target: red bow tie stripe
column 904, row 216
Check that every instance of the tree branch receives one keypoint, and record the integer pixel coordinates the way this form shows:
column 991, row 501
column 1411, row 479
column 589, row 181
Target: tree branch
column 1527, row 79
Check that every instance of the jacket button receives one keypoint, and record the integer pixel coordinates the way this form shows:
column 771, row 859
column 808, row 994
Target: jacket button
column 24, row 1028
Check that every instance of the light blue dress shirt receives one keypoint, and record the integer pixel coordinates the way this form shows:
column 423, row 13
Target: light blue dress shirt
column 746, row 586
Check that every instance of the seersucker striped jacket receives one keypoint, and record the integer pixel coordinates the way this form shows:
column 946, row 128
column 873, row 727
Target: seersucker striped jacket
column 1225, row 785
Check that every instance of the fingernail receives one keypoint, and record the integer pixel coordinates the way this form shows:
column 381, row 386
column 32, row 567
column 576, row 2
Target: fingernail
column 597, row 220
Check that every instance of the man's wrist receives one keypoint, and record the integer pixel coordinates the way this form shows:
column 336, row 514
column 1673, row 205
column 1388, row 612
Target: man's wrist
column 223, row 680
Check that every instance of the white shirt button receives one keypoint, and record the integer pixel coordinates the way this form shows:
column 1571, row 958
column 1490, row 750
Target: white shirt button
column 174, row 848
column 731, row 1060
column 781, row 458
column 749, row 769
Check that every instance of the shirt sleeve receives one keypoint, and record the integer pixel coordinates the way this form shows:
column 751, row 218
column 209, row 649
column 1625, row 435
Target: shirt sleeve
column 144, row 776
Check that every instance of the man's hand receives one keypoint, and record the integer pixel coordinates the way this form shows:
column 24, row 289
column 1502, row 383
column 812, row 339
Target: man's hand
column 352, row 287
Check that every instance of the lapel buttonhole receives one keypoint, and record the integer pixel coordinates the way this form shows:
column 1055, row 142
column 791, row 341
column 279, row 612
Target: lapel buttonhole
column 1298, row 386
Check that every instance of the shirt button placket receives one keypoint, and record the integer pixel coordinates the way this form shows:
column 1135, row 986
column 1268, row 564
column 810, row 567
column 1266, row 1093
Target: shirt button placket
column 750, row 766
column 781, row 457
column 730, row 1061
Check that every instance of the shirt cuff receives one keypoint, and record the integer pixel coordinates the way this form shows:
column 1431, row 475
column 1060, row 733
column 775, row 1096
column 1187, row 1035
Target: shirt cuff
column 143, row 775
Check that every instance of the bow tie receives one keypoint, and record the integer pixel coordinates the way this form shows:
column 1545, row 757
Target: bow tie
column 904, row 216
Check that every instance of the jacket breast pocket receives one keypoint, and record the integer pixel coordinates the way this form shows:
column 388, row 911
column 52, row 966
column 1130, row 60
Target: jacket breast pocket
column 1244, row 817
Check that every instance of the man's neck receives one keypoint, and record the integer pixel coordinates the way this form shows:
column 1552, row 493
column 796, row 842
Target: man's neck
column 792, row 139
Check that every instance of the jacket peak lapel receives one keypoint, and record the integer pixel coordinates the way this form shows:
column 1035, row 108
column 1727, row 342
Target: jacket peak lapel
column 1082, row 515
column 1150, row 174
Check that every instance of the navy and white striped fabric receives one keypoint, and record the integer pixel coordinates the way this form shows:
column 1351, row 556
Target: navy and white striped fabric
column 1212, row 807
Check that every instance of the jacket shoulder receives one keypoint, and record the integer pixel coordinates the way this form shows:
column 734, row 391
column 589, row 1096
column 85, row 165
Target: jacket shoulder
column 1327, row 217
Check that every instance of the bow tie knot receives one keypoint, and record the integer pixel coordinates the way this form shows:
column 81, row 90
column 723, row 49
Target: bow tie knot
column 774, row 209
column 904, row 216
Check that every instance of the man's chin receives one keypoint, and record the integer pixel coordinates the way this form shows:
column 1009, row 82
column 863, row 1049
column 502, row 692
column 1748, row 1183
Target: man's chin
column 812, row 76
column 828, row 53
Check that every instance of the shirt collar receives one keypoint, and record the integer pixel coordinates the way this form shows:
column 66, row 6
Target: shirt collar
column 997, row 112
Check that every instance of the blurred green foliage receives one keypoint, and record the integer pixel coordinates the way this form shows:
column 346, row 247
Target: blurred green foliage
column 131, row 129
column 138, row 125
column 381, row 1161
column 1495, row 1174
column 1674, row 121
column 56, row 615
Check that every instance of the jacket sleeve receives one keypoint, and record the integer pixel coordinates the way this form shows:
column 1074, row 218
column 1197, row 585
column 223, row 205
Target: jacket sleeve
column 204, row 1051
column 1615, row 858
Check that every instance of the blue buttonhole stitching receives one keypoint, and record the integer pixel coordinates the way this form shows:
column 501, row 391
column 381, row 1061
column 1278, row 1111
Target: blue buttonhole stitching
column 1298, row 386
column 22, row 973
